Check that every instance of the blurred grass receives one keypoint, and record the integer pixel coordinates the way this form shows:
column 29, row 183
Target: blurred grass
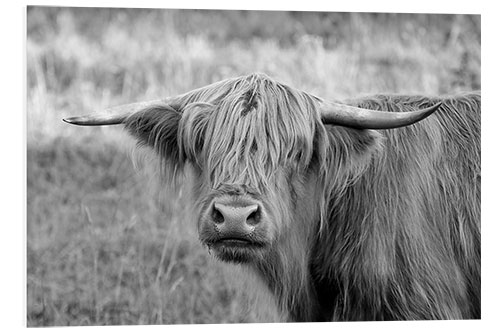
column 108, row 245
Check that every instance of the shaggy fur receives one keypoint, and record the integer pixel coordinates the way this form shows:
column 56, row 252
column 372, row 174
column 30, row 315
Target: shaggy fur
column 365, row 225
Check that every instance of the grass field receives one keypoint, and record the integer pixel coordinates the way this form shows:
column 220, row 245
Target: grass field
column 109, row 245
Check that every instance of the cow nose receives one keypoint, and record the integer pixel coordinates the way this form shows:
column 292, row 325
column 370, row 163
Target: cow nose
column 236, row 216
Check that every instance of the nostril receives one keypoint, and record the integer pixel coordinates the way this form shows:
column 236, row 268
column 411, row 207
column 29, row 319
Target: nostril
column 217, row 215
column 254, row 217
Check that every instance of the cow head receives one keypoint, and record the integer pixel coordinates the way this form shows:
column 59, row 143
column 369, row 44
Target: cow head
column 262, row 154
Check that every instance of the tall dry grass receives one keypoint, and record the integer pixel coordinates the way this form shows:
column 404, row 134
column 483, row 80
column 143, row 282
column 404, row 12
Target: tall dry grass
column 109, row 245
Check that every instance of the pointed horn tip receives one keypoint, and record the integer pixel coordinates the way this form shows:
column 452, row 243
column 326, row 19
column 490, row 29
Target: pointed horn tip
column 80, row 121
column 70, row 120
column 437, row 106
column 431, row 109
column 434, row 107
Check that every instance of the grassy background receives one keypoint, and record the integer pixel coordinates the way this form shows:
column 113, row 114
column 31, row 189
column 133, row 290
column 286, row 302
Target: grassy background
column 106, row 243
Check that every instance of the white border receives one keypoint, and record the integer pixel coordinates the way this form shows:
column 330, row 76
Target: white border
column 13, row 296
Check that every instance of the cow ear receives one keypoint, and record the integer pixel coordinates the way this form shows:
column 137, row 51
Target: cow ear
column 353, row 149
column 157, row 127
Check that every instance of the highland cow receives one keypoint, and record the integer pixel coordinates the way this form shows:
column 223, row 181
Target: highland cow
column 367, row 209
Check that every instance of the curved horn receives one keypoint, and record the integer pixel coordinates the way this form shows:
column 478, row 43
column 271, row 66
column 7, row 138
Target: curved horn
column 112, row 116
column 351, row 116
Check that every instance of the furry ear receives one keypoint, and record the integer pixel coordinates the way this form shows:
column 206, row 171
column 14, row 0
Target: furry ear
column 157, row 127
column 352, row 149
